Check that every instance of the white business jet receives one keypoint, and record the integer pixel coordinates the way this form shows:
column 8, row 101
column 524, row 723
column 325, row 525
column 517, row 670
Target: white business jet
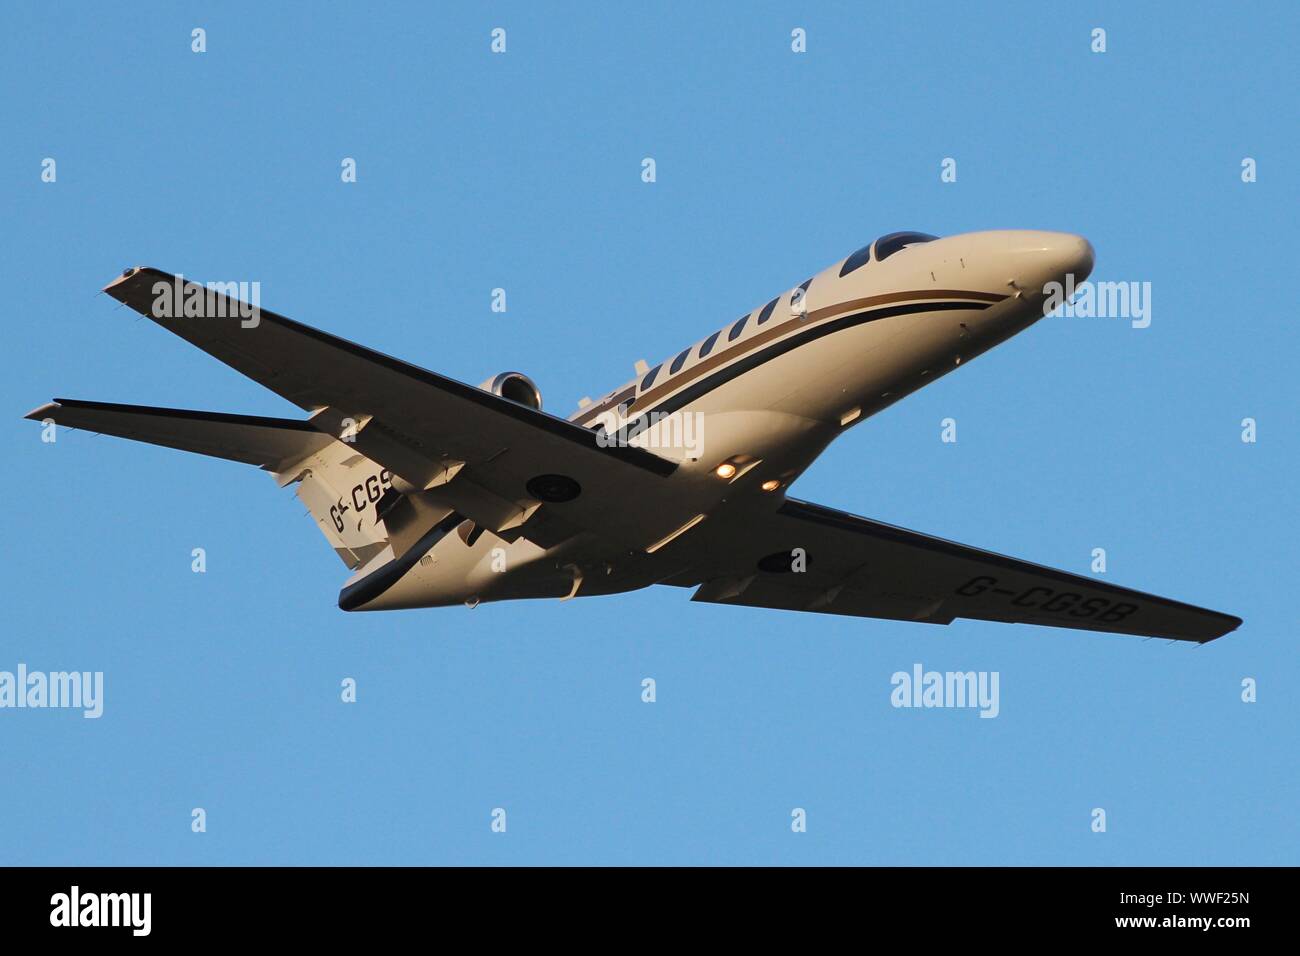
column 438, row 493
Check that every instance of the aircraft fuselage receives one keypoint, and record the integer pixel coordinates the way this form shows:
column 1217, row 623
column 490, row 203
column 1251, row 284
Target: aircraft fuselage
column 765, row 396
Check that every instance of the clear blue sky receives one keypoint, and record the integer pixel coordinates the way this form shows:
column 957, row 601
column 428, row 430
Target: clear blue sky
column 522, row 171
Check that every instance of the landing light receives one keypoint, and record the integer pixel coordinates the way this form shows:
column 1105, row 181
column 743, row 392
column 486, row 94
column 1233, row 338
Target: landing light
column 726, row 471
column 770, row 485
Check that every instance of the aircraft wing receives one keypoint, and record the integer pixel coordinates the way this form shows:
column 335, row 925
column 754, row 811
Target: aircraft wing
column 863, row 568
column 428, row 429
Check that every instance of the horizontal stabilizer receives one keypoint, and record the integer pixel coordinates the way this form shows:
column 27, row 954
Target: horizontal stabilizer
column 270, row 443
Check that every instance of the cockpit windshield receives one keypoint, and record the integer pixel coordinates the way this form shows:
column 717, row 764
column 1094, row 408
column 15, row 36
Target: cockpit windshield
column 884, row 247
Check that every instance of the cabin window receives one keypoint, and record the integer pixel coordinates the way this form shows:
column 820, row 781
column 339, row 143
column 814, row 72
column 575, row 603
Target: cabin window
column 886, row 246
column 767, row 311
column 707, row 347
column 678, row 362
column 650, row 377
column 737, row 329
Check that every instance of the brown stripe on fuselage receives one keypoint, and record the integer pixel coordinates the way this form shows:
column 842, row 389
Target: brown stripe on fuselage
column 852, row 305
column 747, row 345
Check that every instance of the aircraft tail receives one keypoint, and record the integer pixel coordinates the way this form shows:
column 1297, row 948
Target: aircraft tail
column 341, row 488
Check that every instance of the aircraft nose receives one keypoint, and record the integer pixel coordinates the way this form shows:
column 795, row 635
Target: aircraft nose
column 1042, row 257
column 1074, row 255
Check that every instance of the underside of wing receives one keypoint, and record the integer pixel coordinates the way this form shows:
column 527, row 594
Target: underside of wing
column 490, row 458
column 805, row 557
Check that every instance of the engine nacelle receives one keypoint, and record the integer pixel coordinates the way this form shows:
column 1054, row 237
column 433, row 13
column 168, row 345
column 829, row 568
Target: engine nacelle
column 515, row 386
